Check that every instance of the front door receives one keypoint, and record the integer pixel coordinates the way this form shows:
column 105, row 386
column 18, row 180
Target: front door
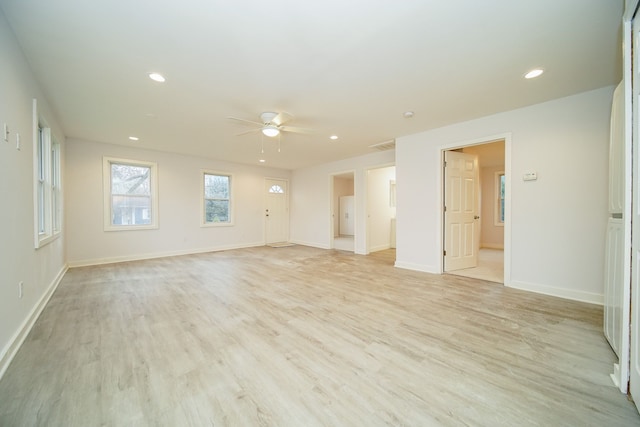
column 461, row 219
column 276, row 211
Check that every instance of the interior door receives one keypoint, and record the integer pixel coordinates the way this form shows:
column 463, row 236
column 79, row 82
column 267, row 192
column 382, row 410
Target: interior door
column 461, row 218
column 634, row 365
column 276, row 211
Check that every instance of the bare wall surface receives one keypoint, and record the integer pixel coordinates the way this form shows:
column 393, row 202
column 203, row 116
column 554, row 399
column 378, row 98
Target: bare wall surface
column 38, row 269
column 179, row 205
column 557, row 222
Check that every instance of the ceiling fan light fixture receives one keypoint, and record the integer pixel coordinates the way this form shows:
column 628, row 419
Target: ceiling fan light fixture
column 270, row 131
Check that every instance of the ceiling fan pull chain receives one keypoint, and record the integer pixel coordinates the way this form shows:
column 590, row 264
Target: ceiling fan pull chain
column 279, row 136
column 262, row 139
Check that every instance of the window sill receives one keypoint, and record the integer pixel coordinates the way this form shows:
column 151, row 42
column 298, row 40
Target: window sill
column 131, row 227
column 42, row 242
column 216, row 224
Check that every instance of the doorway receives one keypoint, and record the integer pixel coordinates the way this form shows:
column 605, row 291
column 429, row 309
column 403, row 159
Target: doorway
column 276, row 211
column 343, row 211
column 381, row 209
column 489, row 216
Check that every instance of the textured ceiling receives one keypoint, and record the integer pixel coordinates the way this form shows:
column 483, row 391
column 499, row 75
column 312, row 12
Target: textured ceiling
column 349, row 68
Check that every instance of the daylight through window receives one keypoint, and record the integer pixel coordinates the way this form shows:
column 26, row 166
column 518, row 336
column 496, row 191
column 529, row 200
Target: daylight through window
column 47, row 183
column 131, row 198
column 500, row 183
column 217, row 199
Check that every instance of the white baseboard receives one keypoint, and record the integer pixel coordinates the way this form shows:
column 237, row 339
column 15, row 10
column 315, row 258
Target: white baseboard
column 311, row 244
column 571, row 294
column 14, row 344
column 492, row 245
column 417, row 267
column 380, row 248
column 139, row 257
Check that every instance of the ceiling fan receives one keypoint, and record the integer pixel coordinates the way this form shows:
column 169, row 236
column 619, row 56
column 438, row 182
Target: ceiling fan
column 271, row 124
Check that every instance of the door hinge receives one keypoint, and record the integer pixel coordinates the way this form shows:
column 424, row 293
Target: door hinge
column 444, row 253
column 445, row 208
column 445, row 163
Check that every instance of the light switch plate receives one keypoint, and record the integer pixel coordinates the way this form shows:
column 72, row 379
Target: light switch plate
column 5, row 135
column 18, row 141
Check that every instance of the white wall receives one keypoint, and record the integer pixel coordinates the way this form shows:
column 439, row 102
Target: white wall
column 379, row 210
column 311, row 199
column 179, row 229
column 557, row 227
column 41, row 269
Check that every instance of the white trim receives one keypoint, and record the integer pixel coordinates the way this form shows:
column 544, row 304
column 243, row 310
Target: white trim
column 312, row 244
column 140, row 257
column 418, row 267
column 507, row 137
column 106, row 191
column 491, row 246
column 11, row 349
column 570, row 294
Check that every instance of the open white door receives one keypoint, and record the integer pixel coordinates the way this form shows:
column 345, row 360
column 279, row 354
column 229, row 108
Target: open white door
column 461, row 219
column 634, row 365
column 276, row 211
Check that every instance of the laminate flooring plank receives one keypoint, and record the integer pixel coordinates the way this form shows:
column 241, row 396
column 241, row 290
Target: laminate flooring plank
column 299, row 336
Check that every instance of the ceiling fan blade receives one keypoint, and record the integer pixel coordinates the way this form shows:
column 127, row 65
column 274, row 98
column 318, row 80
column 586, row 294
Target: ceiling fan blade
column 281, row 118
column 248, row 131
column 295, row 129
column 246, row 121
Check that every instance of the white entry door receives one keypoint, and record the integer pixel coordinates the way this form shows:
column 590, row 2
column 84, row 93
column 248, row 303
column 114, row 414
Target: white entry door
column 634, row 365
column 276, row 211
column 461, row 219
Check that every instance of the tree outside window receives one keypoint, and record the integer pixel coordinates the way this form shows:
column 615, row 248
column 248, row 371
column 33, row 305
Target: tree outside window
column 217, row 199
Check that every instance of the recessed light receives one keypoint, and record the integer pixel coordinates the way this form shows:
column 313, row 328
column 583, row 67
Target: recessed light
column 407, row 114
column 157, row 77
column 334, row 137
column 262, row 160
column 534, row 73
column 134, row 138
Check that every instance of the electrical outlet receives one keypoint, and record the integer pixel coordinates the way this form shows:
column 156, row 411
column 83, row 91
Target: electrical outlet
column 20, row 289
column 5, row 135
column 18, row 141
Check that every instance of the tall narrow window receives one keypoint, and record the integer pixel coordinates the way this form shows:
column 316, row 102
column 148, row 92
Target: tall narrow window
column 131, row 200
column 499, row 211
column 47, row 182
column 216, row 207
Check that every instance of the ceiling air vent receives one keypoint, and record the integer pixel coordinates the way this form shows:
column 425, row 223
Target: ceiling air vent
column 386, row 145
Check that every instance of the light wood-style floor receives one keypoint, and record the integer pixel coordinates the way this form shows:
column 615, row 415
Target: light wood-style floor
column 299, row 336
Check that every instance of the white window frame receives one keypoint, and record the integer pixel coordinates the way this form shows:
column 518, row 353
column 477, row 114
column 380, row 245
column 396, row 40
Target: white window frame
column 496, row 215
column 203, row 219
column 107, row 207
column 47, row 182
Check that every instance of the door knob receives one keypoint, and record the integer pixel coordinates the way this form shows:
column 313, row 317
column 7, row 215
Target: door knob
column 476, row 217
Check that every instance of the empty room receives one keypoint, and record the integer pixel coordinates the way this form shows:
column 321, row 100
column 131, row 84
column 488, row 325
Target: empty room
column 272, row 213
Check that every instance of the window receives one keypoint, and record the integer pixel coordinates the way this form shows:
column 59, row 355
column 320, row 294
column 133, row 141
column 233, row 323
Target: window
column 47, row 182
column 216, row 206
column 276, row 189
column 499, row 211
column 130, row 193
